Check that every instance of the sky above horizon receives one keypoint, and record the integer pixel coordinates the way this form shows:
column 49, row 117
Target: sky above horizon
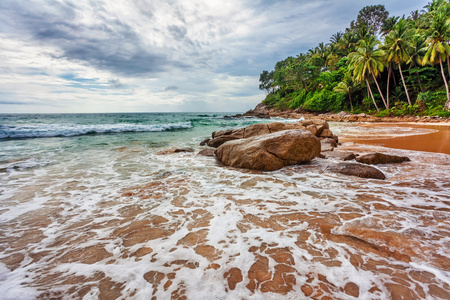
column 67, row 56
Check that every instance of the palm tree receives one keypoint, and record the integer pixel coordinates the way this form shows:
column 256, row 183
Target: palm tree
column 388, row 25
column 368, row 60
column 397, row 43
column 415, row 14
column 438, row 48
column 347, row 86
column 335, row 38
column 347, row 43
column 416, row 52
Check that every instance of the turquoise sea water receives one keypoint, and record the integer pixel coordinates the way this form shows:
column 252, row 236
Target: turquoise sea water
column 48, row 134
column 90, row 208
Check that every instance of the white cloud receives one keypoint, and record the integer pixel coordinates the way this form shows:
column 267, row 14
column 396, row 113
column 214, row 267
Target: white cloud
column 89, row 56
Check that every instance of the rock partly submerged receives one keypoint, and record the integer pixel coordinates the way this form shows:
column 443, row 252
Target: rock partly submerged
column 340, row 155
column 381, row 158
column 269, row 152
column 355, row 169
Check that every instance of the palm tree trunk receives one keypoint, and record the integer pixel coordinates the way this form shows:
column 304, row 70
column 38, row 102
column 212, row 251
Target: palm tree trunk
column 420, row 83
column 379, row 90
column 448, row 65
column 404, row 84
column 447, row 104
column 350, row 97
column 370, row 90
column 387, row 92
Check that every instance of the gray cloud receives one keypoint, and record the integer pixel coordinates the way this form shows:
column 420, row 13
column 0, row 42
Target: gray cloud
column 107, row 44
column 171, row 88
column 210, row 51
column 115, row 83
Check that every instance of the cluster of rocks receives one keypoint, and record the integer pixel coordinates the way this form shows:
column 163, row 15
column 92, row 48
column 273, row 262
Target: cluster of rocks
column 318, row 128
column 272, row 146
column 362, row 168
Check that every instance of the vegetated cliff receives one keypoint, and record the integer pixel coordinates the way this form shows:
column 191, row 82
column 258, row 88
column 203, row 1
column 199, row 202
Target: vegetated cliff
column 392, row 67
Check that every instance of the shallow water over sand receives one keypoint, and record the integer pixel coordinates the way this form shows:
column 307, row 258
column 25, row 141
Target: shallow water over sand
column 124, row 222
column 423, row 137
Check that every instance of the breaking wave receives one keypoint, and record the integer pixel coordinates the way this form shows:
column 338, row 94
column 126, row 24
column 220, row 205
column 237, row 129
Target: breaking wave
column 60, row 130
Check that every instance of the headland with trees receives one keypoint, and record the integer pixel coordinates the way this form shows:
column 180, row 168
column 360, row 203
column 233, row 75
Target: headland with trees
column 383, row 65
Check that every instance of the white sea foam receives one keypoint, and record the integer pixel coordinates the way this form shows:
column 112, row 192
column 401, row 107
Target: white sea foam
column 81, row 200
column 58, row 130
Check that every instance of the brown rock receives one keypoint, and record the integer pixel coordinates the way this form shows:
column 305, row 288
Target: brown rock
column 220, row 137
column 187, row 149
column 175, row 150
column 205, row 142
column 320, row 129
column 207, row 152
column 359, row 170
column 326, row 133
column 278, row 126
column 271, row 151
column 312, row 129
column 327, row 144
column 256, row 129
column 381, row 158
column 306, row 123
column 340, row 155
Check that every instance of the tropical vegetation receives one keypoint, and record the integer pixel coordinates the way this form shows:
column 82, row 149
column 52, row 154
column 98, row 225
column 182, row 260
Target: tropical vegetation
column 379, row 64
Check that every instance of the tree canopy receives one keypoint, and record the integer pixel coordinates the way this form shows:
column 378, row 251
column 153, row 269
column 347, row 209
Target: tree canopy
column 377, row 60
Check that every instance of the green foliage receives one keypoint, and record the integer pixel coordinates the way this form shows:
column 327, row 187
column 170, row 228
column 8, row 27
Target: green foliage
column 427, row 104
column 325, row 100
column 351, row 72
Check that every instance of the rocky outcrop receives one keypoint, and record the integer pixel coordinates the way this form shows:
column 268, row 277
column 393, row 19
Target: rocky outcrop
column 263, row 111
column 381, row 158
column 271, row 151
column 355, row 169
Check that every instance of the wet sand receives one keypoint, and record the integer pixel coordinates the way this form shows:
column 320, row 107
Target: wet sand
column 438, row 141
column 186, row 227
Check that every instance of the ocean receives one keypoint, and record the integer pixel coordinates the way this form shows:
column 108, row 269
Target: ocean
column 93, row 206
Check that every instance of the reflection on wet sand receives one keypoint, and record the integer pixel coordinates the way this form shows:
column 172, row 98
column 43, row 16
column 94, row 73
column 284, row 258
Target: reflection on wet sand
column 436, row 141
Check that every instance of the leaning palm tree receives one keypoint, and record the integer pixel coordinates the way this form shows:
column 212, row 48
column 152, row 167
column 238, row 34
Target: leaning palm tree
column 438, row 48
column 368, row 60
column 347, row 86
column 397, row 43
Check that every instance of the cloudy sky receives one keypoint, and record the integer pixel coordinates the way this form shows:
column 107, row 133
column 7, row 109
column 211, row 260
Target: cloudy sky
column 157, row 55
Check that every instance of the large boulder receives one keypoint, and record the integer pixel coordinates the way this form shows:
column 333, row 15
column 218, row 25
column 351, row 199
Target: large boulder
column 381, row 158
column 270, row 152
column 220, row 137
column 355, row 169
column 319, row 128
